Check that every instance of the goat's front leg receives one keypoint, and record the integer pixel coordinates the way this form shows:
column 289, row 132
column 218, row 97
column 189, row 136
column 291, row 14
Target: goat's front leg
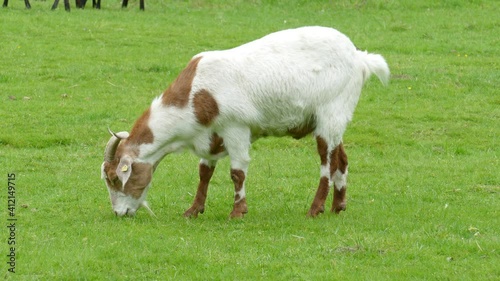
column 206, row 170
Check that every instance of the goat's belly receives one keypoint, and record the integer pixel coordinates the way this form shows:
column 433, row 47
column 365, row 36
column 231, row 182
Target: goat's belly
column 295, row 126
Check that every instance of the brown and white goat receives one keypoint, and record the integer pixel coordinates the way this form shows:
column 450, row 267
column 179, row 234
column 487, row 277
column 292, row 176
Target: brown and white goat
column 293, row 82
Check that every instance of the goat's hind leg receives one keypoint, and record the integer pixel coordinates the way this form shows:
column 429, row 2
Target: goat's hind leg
column 333, row 169
column 237, row 144
column 318, row 204
column 206, row 170
column 339, row 176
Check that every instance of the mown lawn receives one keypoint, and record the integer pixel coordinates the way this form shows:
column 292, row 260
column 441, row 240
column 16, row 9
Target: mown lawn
column 424, row 175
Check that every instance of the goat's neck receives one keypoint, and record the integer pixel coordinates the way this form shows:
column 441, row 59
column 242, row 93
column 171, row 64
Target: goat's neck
column 165, row 130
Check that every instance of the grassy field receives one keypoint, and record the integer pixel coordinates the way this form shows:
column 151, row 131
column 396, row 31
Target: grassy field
column 424, row 178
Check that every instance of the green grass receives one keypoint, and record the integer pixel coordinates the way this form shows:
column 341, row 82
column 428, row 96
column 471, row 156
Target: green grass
column 424, row 181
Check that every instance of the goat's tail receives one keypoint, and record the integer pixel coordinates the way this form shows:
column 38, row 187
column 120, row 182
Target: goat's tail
column 375, row 64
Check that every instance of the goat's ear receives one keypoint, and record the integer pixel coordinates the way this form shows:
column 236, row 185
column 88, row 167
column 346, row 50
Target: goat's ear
column 124, row 169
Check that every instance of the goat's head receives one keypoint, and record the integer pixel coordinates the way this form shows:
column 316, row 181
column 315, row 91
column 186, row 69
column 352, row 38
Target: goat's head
column 127, row 179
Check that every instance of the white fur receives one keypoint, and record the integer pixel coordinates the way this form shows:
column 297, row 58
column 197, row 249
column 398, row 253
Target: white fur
column 241, row 193
column 325, row 171
column 267, row 87
column 125, row 204
column 340, row 179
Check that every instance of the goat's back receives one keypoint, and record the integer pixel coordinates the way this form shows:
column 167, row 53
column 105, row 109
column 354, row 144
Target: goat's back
column 280, row 80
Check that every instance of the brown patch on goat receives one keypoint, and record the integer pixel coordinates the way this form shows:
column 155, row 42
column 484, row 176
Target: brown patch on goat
column 339, row 163
column 111, row 176
column 299, row 132
column 318, row 204
column 338, row 159
column 322, row 150
column 139, row 179
column 216, row 145
column 110, row 168
column 141, row 133
column 198, row 206
column 205, row 107
column 302, row 131
column 240, row 204
column 178, row 92
column 339, row 203
column 238, row 177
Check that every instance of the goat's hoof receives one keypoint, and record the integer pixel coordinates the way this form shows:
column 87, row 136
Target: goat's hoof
column 190, row 214
column 237, row 214
column 315, row 211
column 193, row 212
column 313, row 214
column 239, row 209
column 338, row 208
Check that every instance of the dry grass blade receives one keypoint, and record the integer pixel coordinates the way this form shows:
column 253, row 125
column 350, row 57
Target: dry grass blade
column 146, row 206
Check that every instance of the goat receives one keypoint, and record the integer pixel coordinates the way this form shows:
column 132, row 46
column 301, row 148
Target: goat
column 79, row 4
column 293, row 82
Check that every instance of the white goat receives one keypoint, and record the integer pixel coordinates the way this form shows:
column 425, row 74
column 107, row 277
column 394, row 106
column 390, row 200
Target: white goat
column 293, row 82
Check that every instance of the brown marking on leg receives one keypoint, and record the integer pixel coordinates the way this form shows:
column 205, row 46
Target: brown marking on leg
column 334, row 161
column 339, row 203
column 339, row 160
column 198, row 206
column 318, row 204
column 240, row 204
column 322, row 149
column 205, row 107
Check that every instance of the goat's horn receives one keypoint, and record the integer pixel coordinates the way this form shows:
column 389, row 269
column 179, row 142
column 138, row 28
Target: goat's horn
column 109, row 153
